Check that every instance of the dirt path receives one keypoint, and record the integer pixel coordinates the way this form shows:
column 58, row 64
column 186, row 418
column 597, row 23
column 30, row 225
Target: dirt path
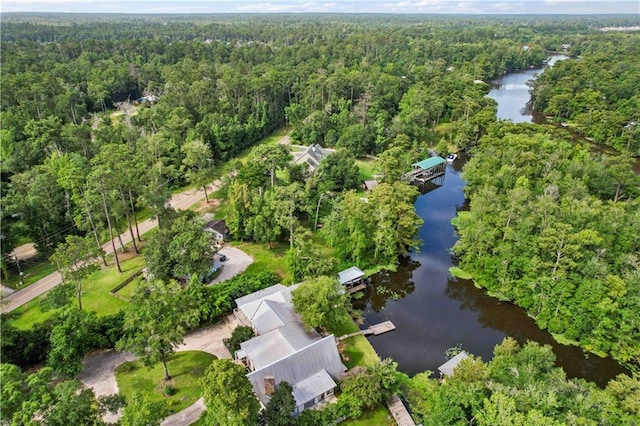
column 181, row 201
column 25, row 251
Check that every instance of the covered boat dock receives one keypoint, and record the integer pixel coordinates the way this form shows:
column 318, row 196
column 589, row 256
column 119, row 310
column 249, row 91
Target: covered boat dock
column 425, row 170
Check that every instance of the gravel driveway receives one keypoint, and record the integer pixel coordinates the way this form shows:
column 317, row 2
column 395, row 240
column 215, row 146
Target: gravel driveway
column 237, row 262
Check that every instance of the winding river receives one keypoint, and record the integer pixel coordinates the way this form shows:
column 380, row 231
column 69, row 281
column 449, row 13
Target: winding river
column 434, row 311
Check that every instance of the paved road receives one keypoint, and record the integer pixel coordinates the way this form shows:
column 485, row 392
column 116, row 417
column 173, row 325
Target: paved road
column 181, row 201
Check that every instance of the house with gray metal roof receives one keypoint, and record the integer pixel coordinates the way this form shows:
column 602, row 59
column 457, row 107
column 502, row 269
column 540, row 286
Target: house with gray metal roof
column 312, row 156
column 284, row 350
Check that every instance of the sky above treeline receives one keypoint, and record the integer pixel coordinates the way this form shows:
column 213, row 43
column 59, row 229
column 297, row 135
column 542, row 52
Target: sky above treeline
column 335, row 6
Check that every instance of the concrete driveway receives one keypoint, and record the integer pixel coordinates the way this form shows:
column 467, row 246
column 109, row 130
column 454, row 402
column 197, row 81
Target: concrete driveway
column 237, row 262
column 98, row 374
column 99, row 367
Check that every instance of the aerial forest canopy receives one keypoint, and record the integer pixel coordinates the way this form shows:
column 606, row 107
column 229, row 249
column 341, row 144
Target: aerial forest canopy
column 597, row 95
column 556, row 231
column 549, row 227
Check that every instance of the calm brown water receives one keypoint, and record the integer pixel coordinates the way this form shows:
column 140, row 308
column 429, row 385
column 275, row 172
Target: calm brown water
column 434, row 311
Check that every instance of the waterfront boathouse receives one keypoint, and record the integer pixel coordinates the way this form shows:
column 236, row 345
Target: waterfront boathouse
column 425, row 170
column 352, row 279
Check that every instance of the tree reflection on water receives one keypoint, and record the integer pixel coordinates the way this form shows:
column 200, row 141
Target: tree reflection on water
column 389, row 285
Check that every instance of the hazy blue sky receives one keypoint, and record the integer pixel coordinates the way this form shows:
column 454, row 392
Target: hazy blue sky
column 299, row 6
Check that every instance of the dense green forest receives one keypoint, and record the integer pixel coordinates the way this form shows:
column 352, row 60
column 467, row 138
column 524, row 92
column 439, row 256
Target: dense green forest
column 227, row 84
column 555, row 231
column 353, row 82
column 596, row 94
column 520, row 386
column 105, row 116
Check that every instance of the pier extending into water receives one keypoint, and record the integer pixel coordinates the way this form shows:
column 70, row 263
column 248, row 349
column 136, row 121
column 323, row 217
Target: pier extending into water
column 375, row 330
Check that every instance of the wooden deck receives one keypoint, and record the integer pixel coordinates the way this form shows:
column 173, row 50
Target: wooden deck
column 383, row 327
column 399, row 412
column 357, row 288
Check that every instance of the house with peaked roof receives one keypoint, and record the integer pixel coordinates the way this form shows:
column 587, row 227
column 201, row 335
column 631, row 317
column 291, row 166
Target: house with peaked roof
column 312, row 156
column 284, row 350
column 219, row 229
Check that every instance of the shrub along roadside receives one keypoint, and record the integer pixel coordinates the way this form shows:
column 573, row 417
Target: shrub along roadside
column 217, row 300
column 27, row 348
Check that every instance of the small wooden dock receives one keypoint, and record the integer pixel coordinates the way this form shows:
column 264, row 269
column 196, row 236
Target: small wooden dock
column 356, row 288
column 383, row 327
column 399, row 412
column 374, row 330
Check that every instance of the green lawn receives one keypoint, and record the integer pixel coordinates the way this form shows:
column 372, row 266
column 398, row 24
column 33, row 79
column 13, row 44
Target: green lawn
column 29, row 314
column 378, row 417
column 276, row 136
column 185, row 368
column 127, row 290
column 32, row 273
column 96, row 295
column 346, row 326
column 357, row 348
column 365, row 165
column 360, row 352
column 265, row 259
column 366, row 168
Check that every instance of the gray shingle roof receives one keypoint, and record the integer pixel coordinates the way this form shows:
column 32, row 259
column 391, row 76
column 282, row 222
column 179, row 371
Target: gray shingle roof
column 313, row 155
column 218, row 225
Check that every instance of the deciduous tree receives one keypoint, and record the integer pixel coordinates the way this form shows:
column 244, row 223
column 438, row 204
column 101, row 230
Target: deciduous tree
column 77, row 258
column 281, row 406
column 228, row 395
column 197, row 164
column 320, row 302
column 156, row 320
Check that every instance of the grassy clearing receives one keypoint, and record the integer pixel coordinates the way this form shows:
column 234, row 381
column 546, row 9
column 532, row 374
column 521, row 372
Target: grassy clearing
column 33, row 271
column 276, row 136
column 186, row 369
column 96, row 295
column 96, row 290
column 346, row 326
column 265, row 259
column 357, row 349
column 30, row 314
column 378, row 417
column 365, row 165
column 127, row 290
column 359, row 352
